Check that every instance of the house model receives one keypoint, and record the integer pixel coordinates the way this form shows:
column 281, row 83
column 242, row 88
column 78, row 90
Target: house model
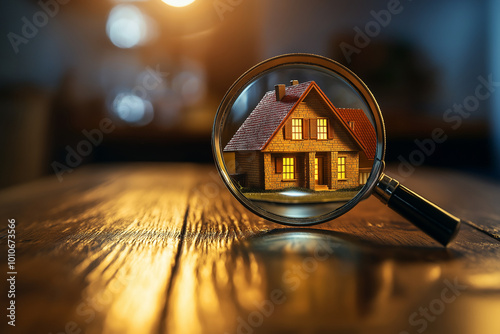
column 296, row 137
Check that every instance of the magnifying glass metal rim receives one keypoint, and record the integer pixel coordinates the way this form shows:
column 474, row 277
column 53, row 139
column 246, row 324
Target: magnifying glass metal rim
column 321, row 63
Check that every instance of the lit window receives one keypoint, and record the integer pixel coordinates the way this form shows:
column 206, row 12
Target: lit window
column 316, row 169
column 296, row 128
column 288, row 168
column 322, row 130
column 341, row 168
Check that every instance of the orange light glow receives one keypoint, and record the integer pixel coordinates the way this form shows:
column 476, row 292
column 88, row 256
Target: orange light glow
column 178, row 3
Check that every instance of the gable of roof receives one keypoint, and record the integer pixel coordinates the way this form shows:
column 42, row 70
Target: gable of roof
column 265, row 119
column 363, row 129
column 269, row 116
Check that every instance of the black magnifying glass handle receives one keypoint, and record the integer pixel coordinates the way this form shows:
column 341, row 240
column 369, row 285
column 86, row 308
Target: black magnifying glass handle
column 434, row 221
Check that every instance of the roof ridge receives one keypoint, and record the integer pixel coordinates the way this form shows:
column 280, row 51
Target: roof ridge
column 268, row 116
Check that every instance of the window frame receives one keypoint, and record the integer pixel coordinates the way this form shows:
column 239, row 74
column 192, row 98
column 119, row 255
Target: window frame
column 316, row 169
column 297, row 130
column 322, row 129
column 343, row 171
column 288, row 173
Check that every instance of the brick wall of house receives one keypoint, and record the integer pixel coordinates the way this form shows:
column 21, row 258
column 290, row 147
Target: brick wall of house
column 273, row 180
column 251, row 164
column 352, row 170
column 342, row 144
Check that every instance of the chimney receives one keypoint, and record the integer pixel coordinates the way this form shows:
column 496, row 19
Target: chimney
column 280, row 91
column 294, row 82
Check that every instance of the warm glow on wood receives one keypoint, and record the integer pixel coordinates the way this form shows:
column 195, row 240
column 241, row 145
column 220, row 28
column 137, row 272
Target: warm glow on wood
column 178, row 3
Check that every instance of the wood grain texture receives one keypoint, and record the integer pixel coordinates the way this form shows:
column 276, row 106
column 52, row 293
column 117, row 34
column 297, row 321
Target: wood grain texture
column 161, row 248
column 98, row 249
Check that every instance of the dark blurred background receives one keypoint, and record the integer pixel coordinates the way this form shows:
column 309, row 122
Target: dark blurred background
column 158, row 72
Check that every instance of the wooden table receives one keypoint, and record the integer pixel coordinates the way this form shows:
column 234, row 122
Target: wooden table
column 164, row 248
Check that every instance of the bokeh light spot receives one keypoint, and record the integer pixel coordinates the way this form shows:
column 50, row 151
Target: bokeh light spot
column 190, row 85
column 126, row 26
column 132, row 109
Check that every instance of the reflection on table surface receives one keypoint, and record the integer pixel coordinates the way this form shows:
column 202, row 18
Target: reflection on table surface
column 297, row 210
column 159, row 248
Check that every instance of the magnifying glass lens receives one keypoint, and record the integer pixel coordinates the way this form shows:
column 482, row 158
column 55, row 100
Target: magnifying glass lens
column 299, row 139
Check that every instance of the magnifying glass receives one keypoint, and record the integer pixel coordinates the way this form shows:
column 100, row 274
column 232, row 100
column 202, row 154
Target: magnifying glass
column 299, row 139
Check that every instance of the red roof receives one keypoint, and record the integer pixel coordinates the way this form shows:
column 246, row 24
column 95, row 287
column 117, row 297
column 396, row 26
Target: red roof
column 267, row 117
column 363, row 129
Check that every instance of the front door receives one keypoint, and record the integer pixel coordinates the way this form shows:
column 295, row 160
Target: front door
column 319, row 170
